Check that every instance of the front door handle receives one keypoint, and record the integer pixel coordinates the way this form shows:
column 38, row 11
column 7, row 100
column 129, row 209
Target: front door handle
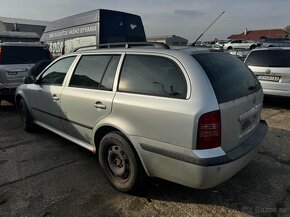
column 99, row 105
column 55, row 97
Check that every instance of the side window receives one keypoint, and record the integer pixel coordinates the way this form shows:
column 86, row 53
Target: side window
column 95, row 72
column 55, row 74
column 152, row 75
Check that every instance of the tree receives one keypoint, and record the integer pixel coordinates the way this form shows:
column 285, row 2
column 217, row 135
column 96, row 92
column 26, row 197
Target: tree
column 287, row 29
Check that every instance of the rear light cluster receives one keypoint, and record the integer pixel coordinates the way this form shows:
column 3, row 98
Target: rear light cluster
column 209, row 131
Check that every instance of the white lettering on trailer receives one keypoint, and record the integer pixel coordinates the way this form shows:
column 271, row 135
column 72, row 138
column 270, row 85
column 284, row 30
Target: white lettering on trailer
column 73, row 31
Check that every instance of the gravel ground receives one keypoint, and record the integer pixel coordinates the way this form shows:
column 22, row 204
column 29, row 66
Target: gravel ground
column 42, row 174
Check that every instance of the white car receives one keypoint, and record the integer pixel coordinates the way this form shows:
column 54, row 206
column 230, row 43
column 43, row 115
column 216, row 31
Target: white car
column 240, row 44
column 272, row 67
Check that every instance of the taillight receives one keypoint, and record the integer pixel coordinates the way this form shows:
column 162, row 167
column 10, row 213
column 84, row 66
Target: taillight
column 209, row 130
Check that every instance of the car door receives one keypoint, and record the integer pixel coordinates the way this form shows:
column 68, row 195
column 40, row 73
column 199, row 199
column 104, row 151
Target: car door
column 45, row 97
column 245, row 44
column 88, row 95
column 236, row 44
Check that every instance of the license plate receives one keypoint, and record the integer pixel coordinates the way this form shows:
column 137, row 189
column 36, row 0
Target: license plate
column 249, row 122
column 268, row 78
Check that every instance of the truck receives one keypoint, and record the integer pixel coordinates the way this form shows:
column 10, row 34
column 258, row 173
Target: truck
column 94, row 27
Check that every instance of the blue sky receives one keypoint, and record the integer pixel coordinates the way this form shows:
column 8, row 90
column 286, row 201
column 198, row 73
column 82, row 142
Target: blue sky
column 187, row 18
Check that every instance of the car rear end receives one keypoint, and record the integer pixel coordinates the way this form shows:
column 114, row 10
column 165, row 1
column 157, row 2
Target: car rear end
column 16, row 59
column 272, row 68
column 229, row 136
column 227, row 129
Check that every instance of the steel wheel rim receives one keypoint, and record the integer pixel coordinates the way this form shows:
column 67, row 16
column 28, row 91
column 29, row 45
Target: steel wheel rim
column 117, row 163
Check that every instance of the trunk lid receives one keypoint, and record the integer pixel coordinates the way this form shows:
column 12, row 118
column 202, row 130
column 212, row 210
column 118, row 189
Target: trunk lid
column 240, row 119
column 12, row 75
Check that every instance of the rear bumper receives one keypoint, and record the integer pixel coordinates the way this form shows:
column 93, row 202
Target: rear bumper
column 283, row 93
column 276, row 88
column 198, row 171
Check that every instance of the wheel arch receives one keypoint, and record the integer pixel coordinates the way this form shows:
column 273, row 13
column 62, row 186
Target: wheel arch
column 104, row 129
column 18, row 97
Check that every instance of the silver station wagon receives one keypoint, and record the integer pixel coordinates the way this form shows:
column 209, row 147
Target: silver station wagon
column 272, row 68
column 188, row 116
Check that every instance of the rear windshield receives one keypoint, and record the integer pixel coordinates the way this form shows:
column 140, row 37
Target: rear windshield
column 230, row 77
column 23, row 54
column 269, row 58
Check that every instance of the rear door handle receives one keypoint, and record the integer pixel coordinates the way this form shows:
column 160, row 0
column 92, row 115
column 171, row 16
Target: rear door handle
column 99, row 105
column 55, row 97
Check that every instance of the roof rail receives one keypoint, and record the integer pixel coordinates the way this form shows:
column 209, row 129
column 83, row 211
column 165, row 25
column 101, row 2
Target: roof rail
column 125, row 45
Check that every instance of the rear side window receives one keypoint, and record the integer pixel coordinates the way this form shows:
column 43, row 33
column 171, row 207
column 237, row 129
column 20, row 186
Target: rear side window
column 230, row 77
column 152, row 75
column 95, row 72
column 23, row 54
column 269, row 58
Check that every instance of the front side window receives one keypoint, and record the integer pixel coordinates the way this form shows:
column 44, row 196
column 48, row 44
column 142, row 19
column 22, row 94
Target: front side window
column 55, row 74
column 95, row 72
column 152, row 75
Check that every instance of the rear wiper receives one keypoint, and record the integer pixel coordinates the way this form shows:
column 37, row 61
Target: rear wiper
column 253, row 87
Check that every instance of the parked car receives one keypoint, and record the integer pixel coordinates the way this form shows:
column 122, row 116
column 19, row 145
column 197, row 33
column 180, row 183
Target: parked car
column 16, row 59
column 220, row 44
column 180, row 115
column 276, row 42
column 240, row 53
column 272, row 68
column 240, row 44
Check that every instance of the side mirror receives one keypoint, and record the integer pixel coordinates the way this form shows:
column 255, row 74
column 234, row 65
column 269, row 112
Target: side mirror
column 29, row 79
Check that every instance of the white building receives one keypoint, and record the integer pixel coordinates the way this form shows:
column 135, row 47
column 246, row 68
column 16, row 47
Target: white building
column 171, row 40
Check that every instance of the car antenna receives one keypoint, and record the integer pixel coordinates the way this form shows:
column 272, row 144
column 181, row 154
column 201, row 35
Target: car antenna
column 193, row 44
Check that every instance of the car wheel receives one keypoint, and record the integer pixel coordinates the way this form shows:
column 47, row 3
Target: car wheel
column 120, row 162
column 229, row 48
column 253, row 47
column 25, row 116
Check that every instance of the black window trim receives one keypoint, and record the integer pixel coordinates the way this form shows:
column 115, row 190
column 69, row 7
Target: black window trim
column 95, row 54
column 169, row 57
column 39, row 77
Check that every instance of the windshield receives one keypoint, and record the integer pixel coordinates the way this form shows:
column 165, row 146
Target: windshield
column 269, row 58
column 23, row 54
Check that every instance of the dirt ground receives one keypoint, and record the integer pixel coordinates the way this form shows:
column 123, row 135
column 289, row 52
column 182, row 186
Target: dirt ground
column 42, row 174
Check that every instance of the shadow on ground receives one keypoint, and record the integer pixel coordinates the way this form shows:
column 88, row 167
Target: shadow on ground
column 276, row 102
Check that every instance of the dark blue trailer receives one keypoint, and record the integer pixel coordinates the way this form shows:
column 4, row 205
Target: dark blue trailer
column 92, row 28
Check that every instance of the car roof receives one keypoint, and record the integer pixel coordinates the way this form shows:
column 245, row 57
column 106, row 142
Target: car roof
column 176, row 51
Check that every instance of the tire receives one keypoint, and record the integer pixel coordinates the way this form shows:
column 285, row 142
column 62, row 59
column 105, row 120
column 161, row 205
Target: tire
column 25, row 116
column 253, row 47
column 229, row 48
column 120, row 163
